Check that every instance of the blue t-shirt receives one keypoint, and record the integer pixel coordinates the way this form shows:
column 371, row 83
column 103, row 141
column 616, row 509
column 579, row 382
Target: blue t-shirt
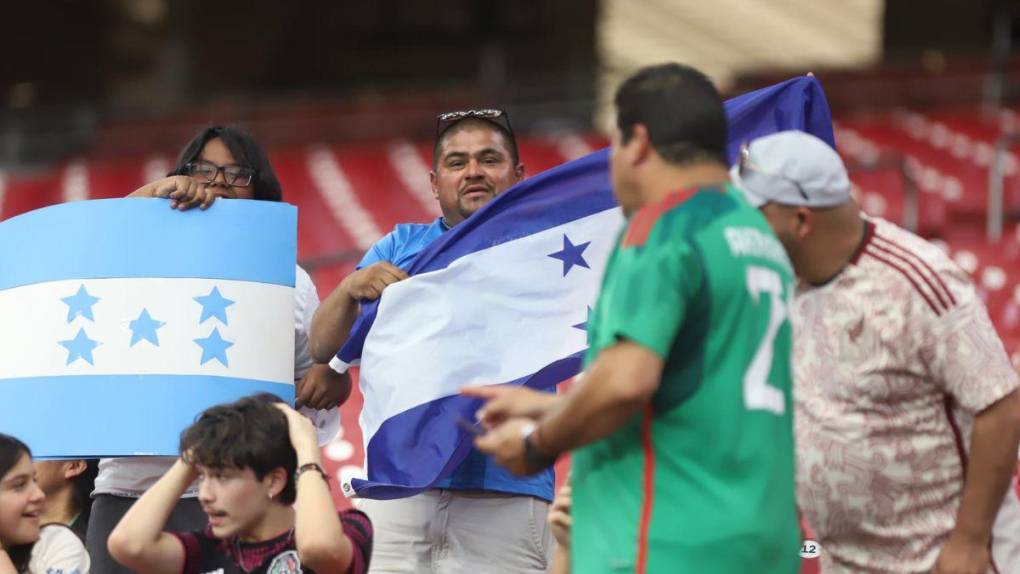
column 478, row 471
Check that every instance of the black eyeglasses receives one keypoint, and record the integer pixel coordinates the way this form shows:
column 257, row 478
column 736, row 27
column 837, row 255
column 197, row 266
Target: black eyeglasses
column 236, row 175
column 445, row 120
column 746, row 165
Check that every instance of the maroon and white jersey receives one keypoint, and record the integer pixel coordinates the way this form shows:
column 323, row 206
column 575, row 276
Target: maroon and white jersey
column 892, row 360
column 204, row 553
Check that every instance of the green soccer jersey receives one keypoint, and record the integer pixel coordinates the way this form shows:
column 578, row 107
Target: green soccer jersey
column 703, row 480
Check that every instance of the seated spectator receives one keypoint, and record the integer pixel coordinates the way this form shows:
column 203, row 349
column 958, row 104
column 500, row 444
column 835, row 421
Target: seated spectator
column 25, row 547
column 67, row 485
column 266, row 496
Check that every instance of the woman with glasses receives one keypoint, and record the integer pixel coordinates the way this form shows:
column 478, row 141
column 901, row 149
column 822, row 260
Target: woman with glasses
column 219, row 162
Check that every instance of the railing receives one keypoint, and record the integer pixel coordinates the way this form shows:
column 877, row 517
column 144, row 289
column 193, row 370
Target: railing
column 996, row 186
column 895, row 162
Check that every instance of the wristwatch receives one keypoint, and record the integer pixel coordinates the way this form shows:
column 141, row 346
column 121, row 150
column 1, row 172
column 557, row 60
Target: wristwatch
column 532, row 456
column 313, row 466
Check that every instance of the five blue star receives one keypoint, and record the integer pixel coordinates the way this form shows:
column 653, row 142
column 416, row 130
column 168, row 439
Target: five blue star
column 144, row 327
column 571, row 255
column 80, row 304
column 214, row 305
column 214, row 347
column 80, row 347
column 584, row 326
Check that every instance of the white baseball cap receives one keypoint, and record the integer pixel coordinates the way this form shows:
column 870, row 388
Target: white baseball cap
column 791, row 168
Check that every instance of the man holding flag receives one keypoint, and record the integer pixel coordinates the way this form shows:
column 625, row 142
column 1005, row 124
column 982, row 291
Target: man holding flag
column 481, row 514
column 683, row 419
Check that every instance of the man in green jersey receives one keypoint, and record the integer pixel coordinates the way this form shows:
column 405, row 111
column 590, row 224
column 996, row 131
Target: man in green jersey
column 682, row 422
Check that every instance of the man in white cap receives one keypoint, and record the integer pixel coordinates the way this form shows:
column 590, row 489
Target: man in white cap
column 907, row 417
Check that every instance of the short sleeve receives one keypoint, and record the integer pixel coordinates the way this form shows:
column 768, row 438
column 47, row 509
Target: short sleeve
column 382, row 250
column 306, row 301
column 647, row 294
column 967, row 359
column 192, row 545
column 59, row 550
column 358, row 529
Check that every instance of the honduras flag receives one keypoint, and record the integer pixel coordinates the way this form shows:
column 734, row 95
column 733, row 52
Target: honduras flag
column 504, row 298
column 123, row 319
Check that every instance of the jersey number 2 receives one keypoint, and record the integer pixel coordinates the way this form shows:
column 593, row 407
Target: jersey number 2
column 758, row 394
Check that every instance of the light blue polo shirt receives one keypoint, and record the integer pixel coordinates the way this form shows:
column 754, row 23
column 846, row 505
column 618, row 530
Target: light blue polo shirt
column 478, row 471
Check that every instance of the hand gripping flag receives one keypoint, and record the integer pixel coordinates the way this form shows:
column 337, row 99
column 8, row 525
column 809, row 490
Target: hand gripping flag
column 504, row 298
column 123, row 319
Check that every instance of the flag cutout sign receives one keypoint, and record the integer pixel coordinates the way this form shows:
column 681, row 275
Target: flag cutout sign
column 123, row 319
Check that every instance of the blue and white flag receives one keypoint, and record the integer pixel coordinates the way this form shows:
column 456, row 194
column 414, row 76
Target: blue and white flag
column 504, row 298
column 123, row 319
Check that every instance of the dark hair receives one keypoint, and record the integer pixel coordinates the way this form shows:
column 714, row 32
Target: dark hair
column 511, row 141
column 11, row 451
column 681, row 110
column 82, row 486
column 249, row 433
column 245, row 151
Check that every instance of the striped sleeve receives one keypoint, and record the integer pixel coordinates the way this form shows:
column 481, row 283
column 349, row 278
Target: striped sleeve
column 927, row 281
column 959, row 347
column 358, row 529
column 192, row 551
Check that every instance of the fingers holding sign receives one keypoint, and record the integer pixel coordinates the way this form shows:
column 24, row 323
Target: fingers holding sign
column 183, row 192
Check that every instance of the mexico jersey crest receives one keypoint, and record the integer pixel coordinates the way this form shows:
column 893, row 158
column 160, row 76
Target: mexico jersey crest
column 286, row 563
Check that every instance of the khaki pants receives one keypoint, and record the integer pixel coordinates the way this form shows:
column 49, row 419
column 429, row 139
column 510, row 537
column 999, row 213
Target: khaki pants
column 453, row 532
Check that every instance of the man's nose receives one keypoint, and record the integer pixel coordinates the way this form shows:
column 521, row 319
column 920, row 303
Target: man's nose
column 474, row 169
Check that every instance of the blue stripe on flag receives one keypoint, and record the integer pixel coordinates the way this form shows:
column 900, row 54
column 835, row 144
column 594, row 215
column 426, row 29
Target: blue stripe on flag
column 796, row 104
column 121, row 426
column 388, row 477
column 133, row 237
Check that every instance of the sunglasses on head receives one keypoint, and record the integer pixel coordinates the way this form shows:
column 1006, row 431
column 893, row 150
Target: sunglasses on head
column 446, row 120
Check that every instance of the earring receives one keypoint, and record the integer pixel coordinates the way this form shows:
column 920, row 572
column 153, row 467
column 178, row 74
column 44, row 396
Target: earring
column 270, row 494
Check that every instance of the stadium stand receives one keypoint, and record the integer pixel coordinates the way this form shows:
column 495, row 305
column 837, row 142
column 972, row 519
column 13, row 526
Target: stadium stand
column 349, row 195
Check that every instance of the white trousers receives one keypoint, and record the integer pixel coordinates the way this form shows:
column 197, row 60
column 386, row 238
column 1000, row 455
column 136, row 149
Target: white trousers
column 1006, row 533
column 452, row 532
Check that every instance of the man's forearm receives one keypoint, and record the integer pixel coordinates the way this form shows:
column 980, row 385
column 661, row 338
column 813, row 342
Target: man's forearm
column 620, row 383
column 318, row 534
column 331, row 324
column 993, row 459
column 144, row 521
column 561, row 561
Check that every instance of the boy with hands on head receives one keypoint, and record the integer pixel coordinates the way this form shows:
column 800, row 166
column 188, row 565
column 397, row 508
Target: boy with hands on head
column 262, row 485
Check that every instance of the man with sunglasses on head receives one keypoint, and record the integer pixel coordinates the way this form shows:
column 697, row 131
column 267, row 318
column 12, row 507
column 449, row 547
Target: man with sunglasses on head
column 482, row 518
column 907, row 417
